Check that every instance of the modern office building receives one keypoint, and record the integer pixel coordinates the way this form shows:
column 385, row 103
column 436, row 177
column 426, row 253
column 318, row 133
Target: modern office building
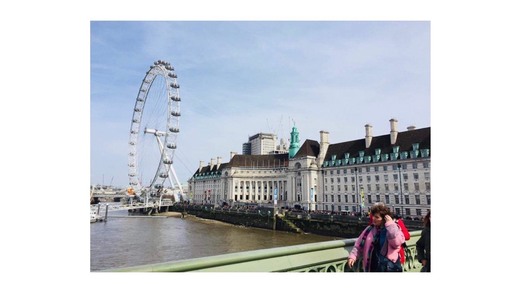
column 347, row 176
column 262, row 143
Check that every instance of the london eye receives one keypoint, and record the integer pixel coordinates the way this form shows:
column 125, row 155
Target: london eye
column 153, row 133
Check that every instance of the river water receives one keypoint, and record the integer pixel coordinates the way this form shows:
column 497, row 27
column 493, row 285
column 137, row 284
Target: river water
column 129, row 241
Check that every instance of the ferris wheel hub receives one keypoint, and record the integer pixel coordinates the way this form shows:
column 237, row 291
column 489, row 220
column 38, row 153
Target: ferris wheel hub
column 154, row 132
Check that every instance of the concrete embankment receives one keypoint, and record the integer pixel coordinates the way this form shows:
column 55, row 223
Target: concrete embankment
column 171, row 214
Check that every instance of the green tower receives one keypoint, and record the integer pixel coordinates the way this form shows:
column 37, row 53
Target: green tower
column 295, row 142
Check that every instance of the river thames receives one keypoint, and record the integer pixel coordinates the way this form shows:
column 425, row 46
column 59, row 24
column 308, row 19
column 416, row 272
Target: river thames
column 129, row 241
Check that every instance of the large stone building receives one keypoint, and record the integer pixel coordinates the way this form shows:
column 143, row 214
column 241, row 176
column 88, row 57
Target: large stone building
column 348, row 176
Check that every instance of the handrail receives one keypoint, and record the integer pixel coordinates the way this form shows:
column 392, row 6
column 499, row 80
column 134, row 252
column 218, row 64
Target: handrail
column 328, row 256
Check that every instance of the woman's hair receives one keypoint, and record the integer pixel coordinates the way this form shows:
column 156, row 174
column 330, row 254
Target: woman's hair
column 426, row 220
column 381, row 209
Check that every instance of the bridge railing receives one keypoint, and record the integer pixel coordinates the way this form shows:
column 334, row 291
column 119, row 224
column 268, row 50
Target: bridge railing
column 328, row 256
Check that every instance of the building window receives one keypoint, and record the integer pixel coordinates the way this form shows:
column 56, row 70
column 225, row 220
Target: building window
column 406, row 199
column 332, row 198
column 396, row 199
column 416, row 186
column 369, row 198
column 415, row 176
column 394, row 167
column 337, row 171
column 385, row 177
column 346, row 198
column 387, row 198
column 345, row 179
column 368, row 178
column 405, row 176
column 404, row 166
column 396, row 177
column 426, row 165
column 369, row 188
column 353, row 187
column 378, row 187
column 418, row 212
column 414, row 165
column 331, row 180
column 376, row 168
column 427, row 185
column 353, row 198
column 427, row 176
column 368, row 169
column 360, row 179
column 386, row 187
column 378, row 198
column 377, row 178
column 417, row 199
column 405, row 186
column 385, row 168
column 396, row 187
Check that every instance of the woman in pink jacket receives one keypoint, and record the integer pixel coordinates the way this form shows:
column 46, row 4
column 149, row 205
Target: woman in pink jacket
column 379, row 243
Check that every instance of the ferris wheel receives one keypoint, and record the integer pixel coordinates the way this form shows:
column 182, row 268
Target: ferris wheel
column 153, row 132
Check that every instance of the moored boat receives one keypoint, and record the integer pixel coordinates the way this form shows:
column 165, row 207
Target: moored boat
column 94, row 217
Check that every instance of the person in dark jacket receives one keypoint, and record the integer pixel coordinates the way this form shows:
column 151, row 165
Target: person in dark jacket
column 423, row 245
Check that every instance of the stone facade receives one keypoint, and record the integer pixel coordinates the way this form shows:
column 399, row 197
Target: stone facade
column 343, row 177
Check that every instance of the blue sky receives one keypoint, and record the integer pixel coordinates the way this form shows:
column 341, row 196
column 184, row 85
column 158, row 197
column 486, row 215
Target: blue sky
column 239, row 78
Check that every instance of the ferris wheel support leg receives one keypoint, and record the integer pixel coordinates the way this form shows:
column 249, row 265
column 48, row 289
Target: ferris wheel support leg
column 170, row 169
column 176, row 180
column 171, row 182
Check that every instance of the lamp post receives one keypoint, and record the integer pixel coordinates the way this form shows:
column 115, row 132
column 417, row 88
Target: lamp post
column 357, row 189
column 400, row 189
column 275, row 202
column 322, row 189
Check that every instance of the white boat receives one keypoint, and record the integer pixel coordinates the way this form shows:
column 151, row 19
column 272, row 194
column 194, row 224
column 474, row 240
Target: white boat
column 94, row 217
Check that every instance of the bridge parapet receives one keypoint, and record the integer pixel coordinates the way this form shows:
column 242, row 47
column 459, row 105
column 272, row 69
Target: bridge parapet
column 328, row 256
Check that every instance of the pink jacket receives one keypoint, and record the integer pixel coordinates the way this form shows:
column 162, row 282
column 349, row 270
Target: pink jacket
column 394, row 238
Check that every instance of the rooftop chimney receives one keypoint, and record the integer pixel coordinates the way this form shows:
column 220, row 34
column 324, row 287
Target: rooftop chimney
column 368, row 135
column 411, row 127
column 231, row 155
column 200, row 165
column 324, row 146
column 393, row 131
column 219, row 161
column 211, row 164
